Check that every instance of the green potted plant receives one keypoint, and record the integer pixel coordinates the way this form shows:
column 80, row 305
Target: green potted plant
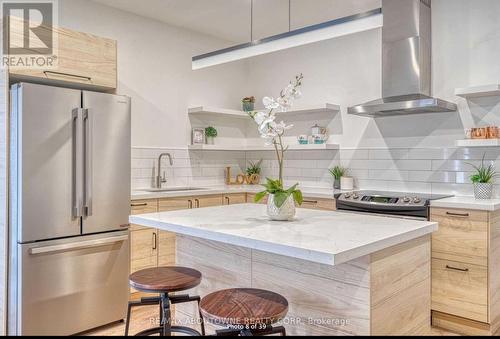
column 483, row 179
column 253, row 171
column 248, row 104
column 337, row 173
column 281, row 202
column 210, row 134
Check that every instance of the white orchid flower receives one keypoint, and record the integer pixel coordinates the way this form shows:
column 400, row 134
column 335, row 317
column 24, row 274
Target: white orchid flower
column 260, row 117
column 270, row 103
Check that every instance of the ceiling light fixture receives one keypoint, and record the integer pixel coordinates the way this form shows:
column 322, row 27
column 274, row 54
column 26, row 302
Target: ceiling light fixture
column 293, row 38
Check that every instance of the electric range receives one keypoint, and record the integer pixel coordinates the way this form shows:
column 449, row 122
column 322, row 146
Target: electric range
column 409, row 205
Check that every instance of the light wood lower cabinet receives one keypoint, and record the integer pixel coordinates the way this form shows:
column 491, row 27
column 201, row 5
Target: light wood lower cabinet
column 309, row 203
column 466, row 271
column 234, row 199
column 319, row 204
column 460, row 289
column 142, row 207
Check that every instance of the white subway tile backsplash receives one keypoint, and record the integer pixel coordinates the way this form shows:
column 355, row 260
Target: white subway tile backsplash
column 389, row 154
column 435, row 170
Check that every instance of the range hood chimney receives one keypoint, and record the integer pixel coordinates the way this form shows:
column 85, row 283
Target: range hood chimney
column 406, row 63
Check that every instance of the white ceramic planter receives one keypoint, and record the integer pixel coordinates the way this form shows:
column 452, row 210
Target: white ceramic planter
column 346, row 183
column 483, row 191
column 284, row 213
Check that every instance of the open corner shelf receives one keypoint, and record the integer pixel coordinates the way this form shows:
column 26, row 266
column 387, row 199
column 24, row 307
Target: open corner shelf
column 478, row 91
column 478, row 143
column 214, row 111
column 309, row 147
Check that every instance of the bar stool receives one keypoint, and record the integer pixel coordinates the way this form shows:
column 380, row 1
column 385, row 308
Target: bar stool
column 245, row 312
column 165, row 280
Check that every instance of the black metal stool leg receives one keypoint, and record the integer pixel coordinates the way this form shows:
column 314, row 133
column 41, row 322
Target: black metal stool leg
column 127, row 323
column 167, row 320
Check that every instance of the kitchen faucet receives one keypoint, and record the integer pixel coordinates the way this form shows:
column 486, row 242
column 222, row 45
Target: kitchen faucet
column 159, row 179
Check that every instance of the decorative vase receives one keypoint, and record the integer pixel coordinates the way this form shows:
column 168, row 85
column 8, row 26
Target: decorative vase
column 284, row 213
column 483, row 191
column 210, row 140
column 336, row 184
column 248, row 106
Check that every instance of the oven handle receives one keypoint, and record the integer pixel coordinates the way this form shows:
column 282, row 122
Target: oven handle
column 379, row 207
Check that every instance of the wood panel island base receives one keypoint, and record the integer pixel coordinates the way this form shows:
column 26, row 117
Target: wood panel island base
column 343, row 274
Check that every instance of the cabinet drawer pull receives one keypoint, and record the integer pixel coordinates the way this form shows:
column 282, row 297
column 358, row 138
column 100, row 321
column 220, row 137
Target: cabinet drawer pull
column 310, row 201
column 139, row 205
column 155, row 238
column 67, row 75
column 461, row 215
column 448, row 267
column 190, row 204
column 228, row 200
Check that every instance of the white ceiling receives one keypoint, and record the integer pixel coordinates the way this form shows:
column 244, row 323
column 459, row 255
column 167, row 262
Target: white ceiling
column 230, row 19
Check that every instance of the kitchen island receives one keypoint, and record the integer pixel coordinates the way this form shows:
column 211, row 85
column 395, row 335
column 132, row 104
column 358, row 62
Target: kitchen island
column 342, row 273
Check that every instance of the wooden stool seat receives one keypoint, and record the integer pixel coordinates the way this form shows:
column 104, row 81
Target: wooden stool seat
column 243, row 307
column 165, row 279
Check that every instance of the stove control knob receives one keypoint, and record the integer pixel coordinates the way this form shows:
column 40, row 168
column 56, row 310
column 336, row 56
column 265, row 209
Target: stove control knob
column 417, row 200
column 407, row 199
column 355, row 196
column 347, row 195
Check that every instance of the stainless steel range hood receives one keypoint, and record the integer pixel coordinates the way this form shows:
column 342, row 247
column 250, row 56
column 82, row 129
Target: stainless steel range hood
column 406, row 63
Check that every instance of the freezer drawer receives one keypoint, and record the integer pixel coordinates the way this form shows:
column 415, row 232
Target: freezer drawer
column 73, row 285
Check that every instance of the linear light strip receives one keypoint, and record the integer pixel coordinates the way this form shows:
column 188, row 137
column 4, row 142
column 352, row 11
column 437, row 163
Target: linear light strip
column 303, row 36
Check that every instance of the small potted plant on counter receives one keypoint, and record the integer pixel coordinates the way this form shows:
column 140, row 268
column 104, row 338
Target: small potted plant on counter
column 337, row 173
column 281, row 202
column 483, row 180
column 210, row 134
column 253, row 171
column 248, row 104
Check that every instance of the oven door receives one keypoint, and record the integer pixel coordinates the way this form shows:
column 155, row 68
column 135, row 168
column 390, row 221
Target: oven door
column 407, row 212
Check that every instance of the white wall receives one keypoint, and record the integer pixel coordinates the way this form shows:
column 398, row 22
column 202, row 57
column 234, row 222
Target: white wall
column 347, row 71
column 154, row 68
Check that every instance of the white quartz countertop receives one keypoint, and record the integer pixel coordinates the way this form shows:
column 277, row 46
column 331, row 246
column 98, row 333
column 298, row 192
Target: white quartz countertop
column 469, row 203
column 309, row 192
column 325, row 237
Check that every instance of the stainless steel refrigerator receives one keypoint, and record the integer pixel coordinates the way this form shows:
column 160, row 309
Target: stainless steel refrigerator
column 69, row 208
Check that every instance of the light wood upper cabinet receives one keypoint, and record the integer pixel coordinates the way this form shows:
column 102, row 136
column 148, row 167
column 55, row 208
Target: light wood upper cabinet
column 82, row 58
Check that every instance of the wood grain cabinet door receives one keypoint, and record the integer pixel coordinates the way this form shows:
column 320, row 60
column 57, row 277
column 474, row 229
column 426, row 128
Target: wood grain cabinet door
column 233, row 199
column 142, row 207
column 319, row 204
column 207, row 201
column 143, row 249
column 175, row 204
column 460, row 289
column 81, row 58
column 462, row 236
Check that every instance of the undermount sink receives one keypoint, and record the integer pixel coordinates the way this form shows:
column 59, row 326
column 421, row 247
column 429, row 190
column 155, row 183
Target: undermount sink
column 173, row 189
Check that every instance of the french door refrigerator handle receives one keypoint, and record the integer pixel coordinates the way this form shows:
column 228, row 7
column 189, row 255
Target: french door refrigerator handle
column 89, row 174
column 77, row 155
column 78, row 245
